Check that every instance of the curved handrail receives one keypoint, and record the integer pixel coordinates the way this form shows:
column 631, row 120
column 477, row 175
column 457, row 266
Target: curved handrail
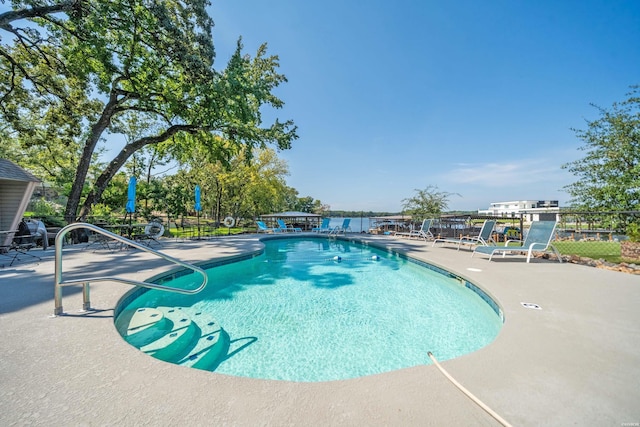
column 85, row 281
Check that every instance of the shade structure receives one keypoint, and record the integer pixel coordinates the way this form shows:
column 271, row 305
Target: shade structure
column 291, row 214
column 16, row 188
column 131, row 195
column 197, row 207
column 304, row 220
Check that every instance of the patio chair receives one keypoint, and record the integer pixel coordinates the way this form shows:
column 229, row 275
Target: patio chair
column 341, row 228
column 286, row 228
column 21, row 243
column 483, row 239
column 538, row 239
column 404, row 233
column 39, row 230
column 262, row 228
column 152, row 232
column 422, row 232
column 7, row 235
column 324, row 227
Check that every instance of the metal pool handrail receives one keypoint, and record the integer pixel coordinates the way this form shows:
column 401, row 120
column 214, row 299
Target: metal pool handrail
column 59, row 283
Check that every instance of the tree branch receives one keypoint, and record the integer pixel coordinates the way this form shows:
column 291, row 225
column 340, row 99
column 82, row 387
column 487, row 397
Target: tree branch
column 127, row 151
column 35, row 12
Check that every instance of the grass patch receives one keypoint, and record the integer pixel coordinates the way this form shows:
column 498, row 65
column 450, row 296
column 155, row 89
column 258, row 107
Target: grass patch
column 609, row 251
column 190, row 232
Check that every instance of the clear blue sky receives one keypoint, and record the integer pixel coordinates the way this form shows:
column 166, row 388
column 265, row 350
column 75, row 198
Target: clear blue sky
column 474, row 97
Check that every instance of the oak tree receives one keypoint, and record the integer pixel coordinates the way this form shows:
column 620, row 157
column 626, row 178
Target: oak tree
column 609, row 173
column 426, row 203
column 73, row 72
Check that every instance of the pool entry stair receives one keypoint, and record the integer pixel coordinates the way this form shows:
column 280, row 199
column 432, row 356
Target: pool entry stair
column 170, row 334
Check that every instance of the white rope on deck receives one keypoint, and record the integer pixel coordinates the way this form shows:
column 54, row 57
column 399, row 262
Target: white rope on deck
column 468, row 393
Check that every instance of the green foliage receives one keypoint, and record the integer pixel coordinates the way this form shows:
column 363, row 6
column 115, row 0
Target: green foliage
column 42, row 207
column 305, row 204
column 178, row 196
column 426, row 203
column 103, row 211
column 254, row 185
column 609, row 173
column 633, row 232
column 77, row 71
column 114, row 198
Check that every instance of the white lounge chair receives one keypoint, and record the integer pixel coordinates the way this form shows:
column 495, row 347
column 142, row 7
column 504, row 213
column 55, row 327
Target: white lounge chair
column 423, row 232
column 404, row 233
column 483, row 239
column 538, row 239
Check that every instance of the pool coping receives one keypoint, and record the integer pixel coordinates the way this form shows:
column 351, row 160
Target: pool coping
column 573, row 361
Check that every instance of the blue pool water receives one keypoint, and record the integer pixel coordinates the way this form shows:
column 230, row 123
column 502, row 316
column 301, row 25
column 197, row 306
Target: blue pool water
column 321, row 310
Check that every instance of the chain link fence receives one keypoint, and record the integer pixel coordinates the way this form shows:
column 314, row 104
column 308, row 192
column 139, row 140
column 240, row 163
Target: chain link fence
column 596, row 235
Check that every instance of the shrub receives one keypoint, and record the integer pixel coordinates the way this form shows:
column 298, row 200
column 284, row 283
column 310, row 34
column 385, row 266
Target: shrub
column 633, row 232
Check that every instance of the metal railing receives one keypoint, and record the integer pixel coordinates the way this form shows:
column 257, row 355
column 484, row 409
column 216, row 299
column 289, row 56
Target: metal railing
column 86, row 305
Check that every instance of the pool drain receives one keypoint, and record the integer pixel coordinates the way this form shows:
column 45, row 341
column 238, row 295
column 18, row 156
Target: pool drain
column 531, row 305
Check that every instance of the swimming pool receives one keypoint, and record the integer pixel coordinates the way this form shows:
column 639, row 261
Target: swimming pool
column 313, row 309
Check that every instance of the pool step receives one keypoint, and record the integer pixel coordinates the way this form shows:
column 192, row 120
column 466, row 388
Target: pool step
column 142, row 326
column 170, row 334
column 209, row 349
column 177, row 342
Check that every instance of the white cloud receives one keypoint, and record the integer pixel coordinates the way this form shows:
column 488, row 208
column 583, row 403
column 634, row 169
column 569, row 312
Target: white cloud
column 510, row 173
column 479, row 184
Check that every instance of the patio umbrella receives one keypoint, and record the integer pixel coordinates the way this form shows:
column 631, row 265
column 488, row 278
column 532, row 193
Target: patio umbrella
column 131, row 200
column 198, row 207
column 131, row 196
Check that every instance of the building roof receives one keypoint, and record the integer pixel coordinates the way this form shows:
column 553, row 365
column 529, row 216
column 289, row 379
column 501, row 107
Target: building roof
column 11, row 171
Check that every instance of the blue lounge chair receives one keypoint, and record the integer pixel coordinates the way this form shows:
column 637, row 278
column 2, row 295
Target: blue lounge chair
column 285, row 228
column 262, row 228
column 483, row 239
column 342, row 228
column 324, row 227
column 538, row 240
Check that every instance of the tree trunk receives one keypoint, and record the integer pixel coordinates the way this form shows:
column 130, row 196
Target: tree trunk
column 95, row 195
column 102, row 182
column 218, row 203
column 85, row 161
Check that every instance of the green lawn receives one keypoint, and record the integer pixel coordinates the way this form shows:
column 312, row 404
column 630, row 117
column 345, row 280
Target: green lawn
column 190, row 232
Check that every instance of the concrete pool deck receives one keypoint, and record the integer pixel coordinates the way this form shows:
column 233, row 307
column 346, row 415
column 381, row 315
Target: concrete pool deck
column 574, row 361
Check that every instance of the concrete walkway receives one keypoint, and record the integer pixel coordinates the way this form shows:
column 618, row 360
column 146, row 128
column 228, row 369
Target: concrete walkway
column 574, row 362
